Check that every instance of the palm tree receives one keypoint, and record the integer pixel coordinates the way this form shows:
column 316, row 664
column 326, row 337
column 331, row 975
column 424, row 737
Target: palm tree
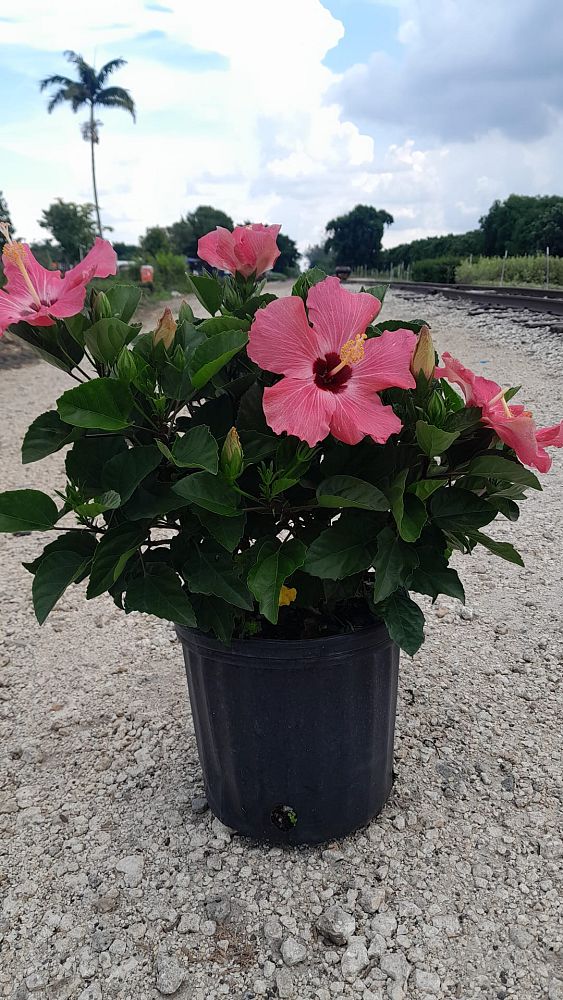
column 89, row 91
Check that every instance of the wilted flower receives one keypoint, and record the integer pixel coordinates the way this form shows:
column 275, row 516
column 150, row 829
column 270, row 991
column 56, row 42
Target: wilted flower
column 165, row 330
column 287, row 596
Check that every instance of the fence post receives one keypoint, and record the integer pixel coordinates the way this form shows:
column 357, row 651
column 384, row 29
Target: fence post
column 503, row 267
column 547, row 267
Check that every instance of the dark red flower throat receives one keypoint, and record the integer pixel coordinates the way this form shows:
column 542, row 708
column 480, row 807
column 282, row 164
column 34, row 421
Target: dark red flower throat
column 323, row 378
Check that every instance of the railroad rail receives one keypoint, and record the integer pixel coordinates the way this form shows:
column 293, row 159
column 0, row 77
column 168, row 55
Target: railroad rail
column 542, row 300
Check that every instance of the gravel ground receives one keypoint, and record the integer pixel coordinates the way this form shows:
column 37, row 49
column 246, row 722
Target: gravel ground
column 117, row 882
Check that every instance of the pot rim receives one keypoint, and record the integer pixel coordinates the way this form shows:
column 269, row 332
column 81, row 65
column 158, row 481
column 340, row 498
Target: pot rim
column 374, row 636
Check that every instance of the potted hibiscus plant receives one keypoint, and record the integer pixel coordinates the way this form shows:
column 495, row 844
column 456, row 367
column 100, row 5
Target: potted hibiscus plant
column 277, row 479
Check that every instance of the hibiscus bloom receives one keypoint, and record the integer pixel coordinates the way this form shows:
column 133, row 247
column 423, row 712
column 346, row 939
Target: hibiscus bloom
column 247, row 250
column 332, row 373
column 38, row 296
column 512, row 424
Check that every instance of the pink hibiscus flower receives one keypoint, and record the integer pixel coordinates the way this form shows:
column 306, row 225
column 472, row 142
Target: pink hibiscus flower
column 512, row 424
column 332, row 373
column 248, row 249
column 38, row 296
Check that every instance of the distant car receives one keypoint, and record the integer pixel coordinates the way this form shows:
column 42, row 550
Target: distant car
column 123, row 265
column 343, row 272
column 197, row 266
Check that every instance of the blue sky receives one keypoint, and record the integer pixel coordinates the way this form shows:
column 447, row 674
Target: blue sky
column 289, row 112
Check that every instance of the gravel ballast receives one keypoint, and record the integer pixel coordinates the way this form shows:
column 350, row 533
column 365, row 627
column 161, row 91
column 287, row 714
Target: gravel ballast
column 116, row 881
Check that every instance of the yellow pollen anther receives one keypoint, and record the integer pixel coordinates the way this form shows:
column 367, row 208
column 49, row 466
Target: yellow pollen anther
column 351, row 352
column 16, row 253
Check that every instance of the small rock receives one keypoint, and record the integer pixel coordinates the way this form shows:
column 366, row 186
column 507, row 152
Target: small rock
column 189, row 923
column 273, row 931
column 337, row 924
column 107, row 902
column 132, row 867
column 218, row 908
column 395, row 965
column 384, row 923
column 427, row 982
column 284, row 983
column 92, row 992
column 371, row 899
column 293, row 951
column 520, row 937
column 447, row 922
column 199, row 805
column 354, row 960
column 467, row 614
column 170, row 975
column 208, row 927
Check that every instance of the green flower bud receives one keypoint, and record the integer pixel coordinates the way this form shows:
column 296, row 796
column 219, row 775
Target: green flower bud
column 101, row 307
column 231, row 456
column 424, row 357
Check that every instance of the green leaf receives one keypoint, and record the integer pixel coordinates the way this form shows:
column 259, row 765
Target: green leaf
column 378, row 291
column 214, row 615
column 106, row 338
column 214, row 354
column 394, row 563
column 346, row 547
column 505, row 506
column 220, row 324
column 53, row 344
column 104, row 403
column 347, row 491
column 196, row 449
column 112, row 555
column 87, row 457
column 268, row 575
column 453, row 398
column 454, row 509
column 432, row 440
column 152, row 503
column 46, row 435
column 397, row 324
column 27, row 510
column 82, row 543
column 497, row 467
column 424, row 488
column 435, row 581
column 210, row 570
column 225, row 530
column 125, row 471
column 408, row 510
column 123, row 299
column 306, row 281
column 97, row 505
column 463, row 419
column 161, row 594
column 54, row 574
column 404, row 621
column 210, row 492
column 503, row 549
column 207, row 290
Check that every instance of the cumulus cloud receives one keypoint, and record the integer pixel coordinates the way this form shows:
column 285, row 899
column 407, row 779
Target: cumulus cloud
column 466, row 69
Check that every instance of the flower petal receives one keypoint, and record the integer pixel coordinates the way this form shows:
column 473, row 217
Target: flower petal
column 256, row 249
column 386, row 361
column 218, row 249
column 69, row 301
column 551, row 436
column 281, row 339
column 46, row 283
column 476, row 389
column 338, row 315
column 519, row 433
column 99, row 262
column 299, row 408
column 359, row 411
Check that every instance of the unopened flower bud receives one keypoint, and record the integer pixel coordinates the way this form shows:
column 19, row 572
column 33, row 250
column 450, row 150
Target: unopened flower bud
column 165, row 330
column 424, row 357
column 231, row 456
column 101, row 306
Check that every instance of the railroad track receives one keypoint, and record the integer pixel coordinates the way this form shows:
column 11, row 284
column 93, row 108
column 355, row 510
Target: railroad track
column 489, row 297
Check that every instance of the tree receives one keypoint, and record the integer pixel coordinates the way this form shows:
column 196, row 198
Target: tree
column 89, row 91
column 355, row 238
column 5, row 211
column 432, row 247
column 512, row 224
column 319, row 256
column 548, row 231
column 72, row 226
column 185, row 233
column 288, row 259
column 126, row 251
column 155, row 240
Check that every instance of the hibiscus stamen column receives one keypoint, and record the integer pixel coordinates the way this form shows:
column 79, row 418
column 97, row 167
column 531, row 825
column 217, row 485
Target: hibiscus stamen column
column 16, row 253
column 352, row 352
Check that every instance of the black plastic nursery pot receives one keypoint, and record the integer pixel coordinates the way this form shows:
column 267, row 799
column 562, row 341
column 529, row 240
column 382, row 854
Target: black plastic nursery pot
column 295, row 738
